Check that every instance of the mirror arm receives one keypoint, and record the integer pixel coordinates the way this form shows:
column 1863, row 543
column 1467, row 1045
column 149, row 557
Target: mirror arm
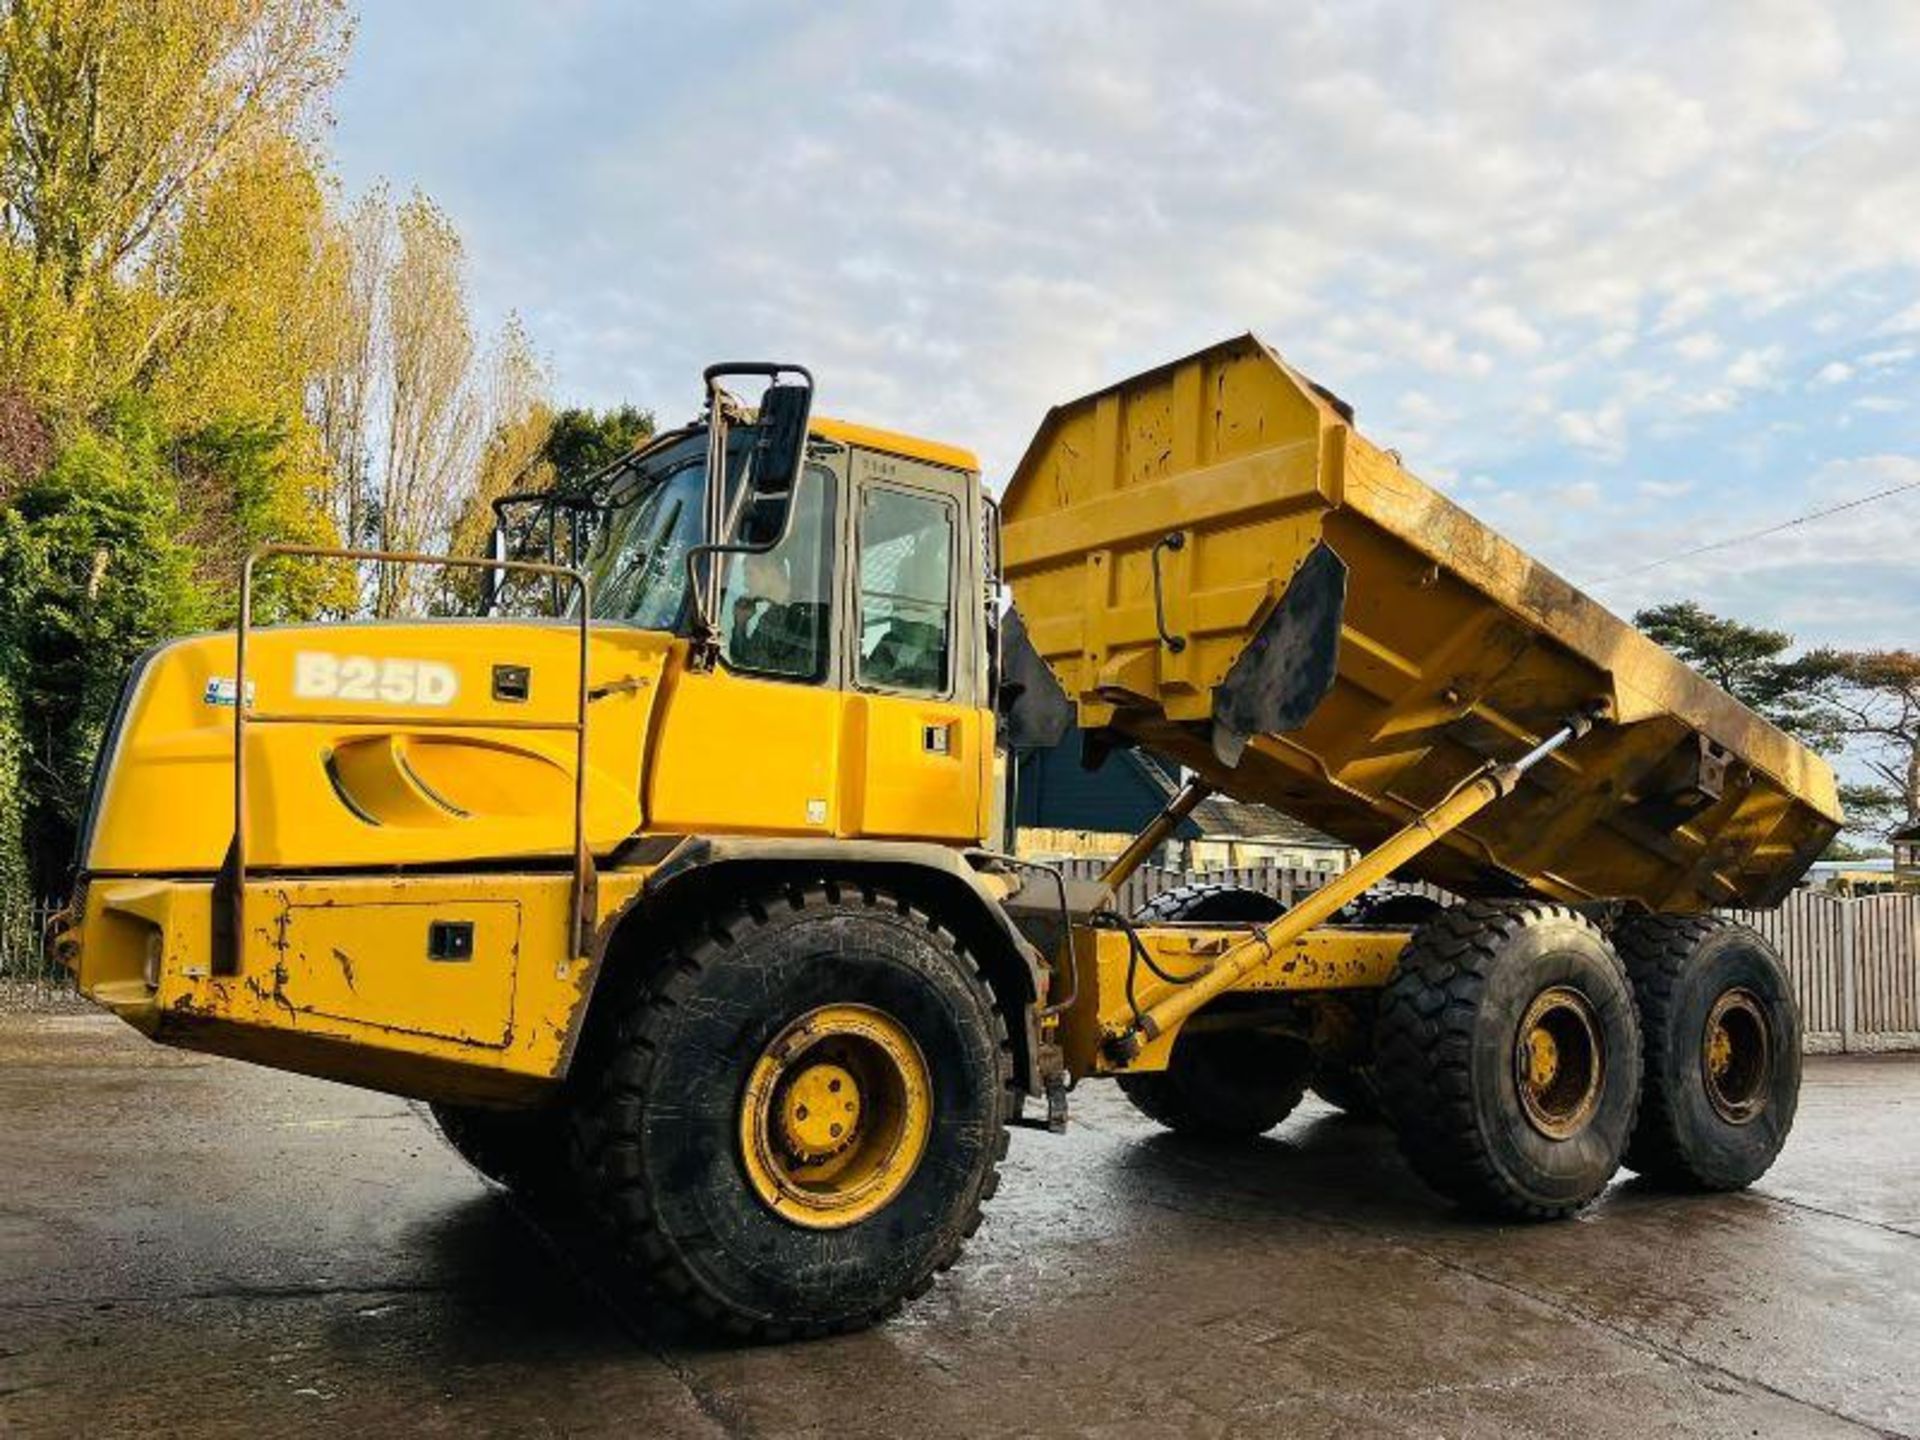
column 704, row 581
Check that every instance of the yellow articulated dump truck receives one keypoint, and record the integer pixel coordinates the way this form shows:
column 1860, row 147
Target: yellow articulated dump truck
column 686, row 898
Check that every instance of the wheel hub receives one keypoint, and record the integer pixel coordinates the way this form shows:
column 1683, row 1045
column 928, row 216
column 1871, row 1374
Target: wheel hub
column 1559, row 1062
column 835, row 1116
column 820, row 1112
column 1736, row 1056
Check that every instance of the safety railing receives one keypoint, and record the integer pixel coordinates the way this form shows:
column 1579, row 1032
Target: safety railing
column 230, row 890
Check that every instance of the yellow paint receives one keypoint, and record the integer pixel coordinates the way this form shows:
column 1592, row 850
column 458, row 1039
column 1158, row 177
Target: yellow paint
column 335, row 977
column 892, row 442
column 1318, row 961
column 438, row 794
column 740, row 755
column 1252, row 950
column 372, row 747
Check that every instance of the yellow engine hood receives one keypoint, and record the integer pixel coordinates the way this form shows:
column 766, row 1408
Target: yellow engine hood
column 405, row 744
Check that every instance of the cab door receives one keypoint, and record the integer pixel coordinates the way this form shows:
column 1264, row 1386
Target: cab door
column 753, row 745
column 916, row 742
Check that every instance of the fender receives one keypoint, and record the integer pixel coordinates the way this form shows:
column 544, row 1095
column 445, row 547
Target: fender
column 948, row 883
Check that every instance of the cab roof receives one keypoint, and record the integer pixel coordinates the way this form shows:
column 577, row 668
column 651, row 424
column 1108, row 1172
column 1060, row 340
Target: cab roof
column 869, row 437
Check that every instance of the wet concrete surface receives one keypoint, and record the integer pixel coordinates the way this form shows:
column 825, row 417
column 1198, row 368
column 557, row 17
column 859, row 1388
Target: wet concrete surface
column 191, row 1246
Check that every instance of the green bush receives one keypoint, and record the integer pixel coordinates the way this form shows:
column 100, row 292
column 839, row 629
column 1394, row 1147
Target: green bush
column 92, row 573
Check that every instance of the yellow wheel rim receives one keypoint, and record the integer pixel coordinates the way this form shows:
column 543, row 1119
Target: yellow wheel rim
column 1559, row 1062
column 835, row 1117
column 1736, row 1056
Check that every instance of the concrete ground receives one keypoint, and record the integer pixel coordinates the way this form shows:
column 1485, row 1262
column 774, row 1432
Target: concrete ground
column 191, row 1246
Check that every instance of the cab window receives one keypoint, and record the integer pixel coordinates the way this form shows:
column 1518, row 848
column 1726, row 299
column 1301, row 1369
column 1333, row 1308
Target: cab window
column 906, row 587
column 776, row 609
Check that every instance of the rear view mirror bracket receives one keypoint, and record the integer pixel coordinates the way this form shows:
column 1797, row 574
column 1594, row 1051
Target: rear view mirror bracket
column 770, row 475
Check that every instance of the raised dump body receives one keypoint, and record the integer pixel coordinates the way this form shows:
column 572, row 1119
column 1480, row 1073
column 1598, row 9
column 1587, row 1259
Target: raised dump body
column 1215, row 565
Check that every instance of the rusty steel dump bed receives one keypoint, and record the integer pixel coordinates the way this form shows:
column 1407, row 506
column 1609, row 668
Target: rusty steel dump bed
column 1215, row 565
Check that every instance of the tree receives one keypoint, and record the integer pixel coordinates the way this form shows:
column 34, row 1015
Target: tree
column 1747, row 661
column 519, row 426
column 1865, row 703
column 432, row 408
column 1869, row 701
column 92, row 573
column 585, row 442
column 343, row 389
column 119, row 113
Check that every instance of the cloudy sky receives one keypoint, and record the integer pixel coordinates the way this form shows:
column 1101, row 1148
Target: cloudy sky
column 1625, row 279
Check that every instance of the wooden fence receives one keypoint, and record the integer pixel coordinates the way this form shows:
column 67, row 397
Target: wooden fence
column 1855, row 963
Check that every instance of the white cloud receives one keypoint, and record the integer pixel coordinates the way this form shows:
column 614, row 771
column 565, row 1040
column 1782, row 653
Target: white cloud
column 1603, row 431
column 1663, row 489
column 1507, row 328
column 1906, row 322
column 1520, row 238
column 1753, row 368
column 1887, row 359
column 1700, row 345
column 1834, row 372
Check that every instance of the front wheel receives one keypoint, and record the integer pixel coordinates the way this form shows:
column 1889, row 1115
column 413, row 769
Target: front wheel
column 795, row 1124
column 1722, row 1051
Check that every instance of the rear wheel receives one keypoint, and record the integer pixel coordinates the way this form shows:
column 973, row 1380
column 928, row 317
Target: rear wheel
column 1181, row 1101
column 1207, row 900
column 795, row 1125
column 1508, row 1058
column 1223, row 1084
column 1394, row 910
column 1722, row 1037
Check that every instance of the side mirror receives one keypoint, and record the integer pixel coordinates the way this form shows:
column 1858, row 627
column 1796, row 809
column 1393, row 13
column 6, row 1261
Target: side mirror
column 492, row 580
column 779, row 452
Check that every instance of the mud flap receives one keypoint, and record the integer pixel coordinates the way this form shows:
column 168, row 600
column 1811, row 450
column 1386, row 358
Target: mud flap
column 1288, row 668
column 1035, row 712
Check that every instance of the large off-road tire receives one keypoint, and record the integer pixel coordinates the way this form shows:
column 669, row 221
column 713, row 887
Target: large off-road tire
column 1163, row 1098
column 1721, row 1032
column 1223, row 1084
column 1207, row 900
column 523, row 1150
column 1507, row 1055
column 1392, row 910
column 793, row 1123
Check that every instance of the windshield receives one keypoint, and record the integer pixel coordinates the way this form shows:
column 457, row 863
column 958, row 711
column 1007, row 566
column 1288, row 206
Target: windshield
column 638, row 565
column 638, row 559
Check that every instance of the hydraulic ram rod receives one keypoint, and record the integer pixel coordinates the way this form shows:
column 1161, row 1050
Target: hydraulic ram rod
column 1158, row 830
column 1234, row 964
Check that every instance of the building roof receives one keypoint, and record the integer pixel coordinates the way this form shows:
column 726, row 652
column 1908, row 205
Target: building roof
column 1057, row 792
column 1907, row 832
column 1221, row 817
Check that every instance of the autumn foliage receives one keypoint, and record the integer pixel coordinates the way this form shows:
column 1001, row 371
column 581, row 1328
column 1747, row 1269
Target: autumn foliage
column 205, row 346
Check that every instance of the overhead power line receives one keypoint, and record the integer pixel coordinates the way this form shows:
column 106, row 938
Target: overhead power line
column 1733, row 540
